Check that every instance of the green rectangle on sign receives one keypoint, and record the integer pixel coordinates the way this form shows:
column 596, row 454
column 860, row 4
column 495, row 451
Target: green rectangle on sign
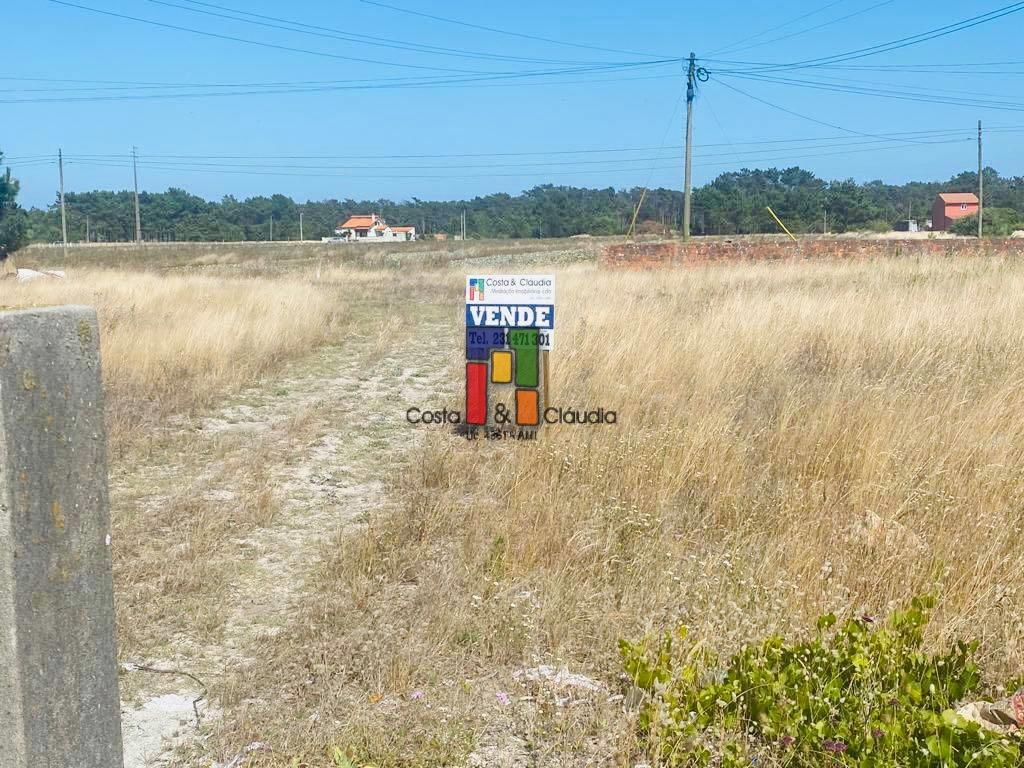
column 525, row 343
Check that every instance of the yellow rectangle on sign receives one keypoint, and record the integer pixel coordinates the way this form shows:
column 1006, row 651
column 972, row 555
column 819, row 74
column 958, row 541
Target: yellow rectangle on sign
column 501, row 366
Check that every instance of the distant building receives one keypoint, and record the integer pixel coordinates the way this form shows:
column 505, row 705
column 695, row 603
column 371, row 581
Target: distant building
column 906, row 225
column 372, row 228
column 950, row 206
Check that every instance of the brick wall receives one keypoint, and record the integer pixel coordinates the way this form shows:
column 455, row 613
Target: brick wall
column 706, row 250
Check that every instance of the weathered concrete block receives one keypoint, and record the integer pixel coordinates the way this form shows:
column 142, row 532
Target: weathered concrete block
column 59, row 704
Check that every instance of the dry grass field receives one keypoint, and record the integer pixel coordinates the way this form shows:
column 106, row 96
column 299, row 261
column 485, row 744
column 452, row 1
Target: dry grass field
column 792, row 439
column 174, row 344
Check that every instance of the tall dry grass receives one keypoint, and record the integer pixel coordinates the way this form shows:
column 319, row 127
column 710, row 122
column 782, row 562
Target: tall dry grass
column 791, row 439
column 172, row 344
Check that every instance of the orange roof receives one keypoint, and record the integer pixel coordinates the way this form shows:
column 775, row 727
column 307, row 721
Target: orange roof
column 359, row 222
column 402, row 229
column 955, row 198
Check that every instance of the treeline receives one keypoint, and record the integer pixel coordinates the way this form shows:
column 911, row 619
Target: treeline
column 734, row 203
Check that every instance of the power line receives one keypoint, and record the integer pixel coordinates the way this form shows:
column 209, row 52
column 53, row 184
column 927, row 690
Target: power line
column 871, row 84
column 721, row 128
column 778, row 27
column 30, row 163
column 7, row 158
column 282, row 173
column 899, row 43
column 298, row 86
column 802, row 142
column 261, row 162
column 492, row 81
column 313, row 86
column 748, row 65
column 592, row 172
column 815, row 28
column 164, row 84
column 910, row 70
column 966, row 68
column 347, row 166
column 534, row 164
column 336, row 34
column 803, row 116
column 883, row 93
column 275, row 46
column 677, row 102
column 495, row 30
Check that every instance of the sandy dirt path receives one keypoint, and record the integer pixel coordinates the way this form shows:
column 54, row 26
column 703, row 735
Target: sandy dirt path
column 320, row 441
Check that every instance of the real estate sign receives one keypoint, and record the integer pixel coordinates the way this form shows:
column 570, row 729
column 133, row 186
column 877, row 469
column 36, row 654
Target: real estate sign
column 510, row 322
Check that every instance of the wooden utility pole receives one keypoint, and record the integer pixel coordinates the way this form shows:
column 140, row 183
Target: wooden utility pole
column 300, row 226
column 63, row 209
column 981, row 185
column 271, row 227
column 138, row 216
column 691, row 80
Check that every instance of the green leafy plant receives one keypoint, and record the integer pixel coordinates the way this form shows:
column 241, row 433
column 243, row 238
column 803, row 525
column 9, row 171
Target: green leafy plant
column 856, row 694
column 340, row 759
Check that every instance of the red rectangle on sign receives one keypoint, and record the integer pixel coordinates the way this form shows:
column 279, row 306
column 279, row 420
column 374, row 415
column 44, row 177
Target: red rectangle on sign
column 476, row 393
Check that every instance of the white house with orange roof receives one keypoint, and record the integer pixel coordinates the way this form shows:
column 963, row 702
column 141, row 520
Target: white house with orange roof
column 371, row 228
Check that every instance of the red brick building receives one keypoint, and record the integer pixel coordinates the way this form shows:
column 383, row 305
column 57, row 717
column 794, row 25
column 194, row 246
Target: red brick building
column 950, row 206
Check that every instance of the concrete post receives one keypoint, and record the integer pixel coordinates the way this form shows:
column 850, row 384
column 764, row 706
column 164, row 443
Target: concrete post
column 59, row 705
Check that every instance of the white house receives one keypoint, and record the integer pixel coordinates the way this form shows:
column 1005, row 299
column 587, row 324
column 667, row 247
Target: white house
column 372, row 228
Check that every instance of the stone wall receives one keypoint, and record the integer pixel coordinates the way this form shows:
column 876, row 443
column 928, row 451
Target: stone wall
column 706, row 250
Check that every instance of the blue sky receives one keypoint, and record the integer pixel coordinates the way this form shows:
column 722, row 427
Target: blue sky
column 322, row 143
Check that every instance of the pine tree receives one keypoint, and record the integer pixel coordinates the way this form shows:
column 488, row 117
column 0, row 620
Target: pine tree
column 13, row 220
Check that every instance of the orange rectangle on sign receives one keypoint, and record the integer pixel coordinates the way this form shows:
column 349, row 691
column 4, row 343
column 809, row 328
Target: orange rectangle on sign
column 501, row 366
column 527, row 407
